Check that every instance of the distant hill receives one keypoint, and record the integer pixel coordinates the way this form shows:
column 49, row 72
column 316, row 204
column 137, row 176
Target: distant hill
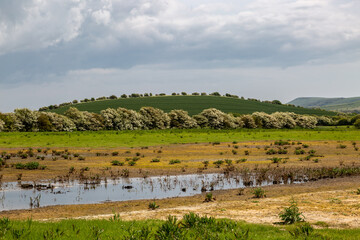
column 192, row 104
column 332, row 104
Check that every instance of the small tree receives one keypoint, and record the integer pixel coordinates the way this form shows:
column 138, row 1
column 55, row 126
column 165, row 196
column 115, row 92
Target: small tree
column 124, row 96
column 183, row 93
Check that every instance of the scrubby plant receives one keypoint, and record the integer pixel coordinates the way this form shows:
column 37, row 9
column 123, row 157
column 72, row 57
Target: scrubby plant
column 174, row 161
column 218, row 163
column 208, row 197
column 84, row 120
column 291, row 214
column 181, row 119
column 153, row 205
column 284, row 119
column 2, row 125
column 154, row 118
column 117, row 163
column 258, row 192
column 265, row 120
column 357, row 123
column 27, row 120
column 248, row 121
column 216, row 119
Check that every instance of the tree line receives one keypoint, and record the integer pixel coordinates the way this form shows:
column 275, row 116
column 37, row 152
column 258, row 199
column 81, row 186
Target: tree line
column 25, row 120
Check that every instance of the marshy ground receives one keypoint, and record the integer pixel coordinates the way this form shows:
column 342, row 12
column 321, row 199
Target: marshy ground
column 324, row 202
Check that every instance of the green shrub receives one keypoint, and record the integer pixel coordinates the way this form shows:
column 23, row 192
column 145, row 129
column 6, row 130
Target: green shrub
column 174, row 161
column 218, row 163
column 153, row 205
column 291, row 214
column 117, row 163
column 357, row 123
column 259, row 192
column 155, row 160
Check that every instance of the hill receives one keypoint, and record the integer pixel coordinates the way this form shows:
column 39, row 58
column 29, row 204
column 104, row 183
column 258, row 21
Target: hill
column 331, row 104
column 192, row 104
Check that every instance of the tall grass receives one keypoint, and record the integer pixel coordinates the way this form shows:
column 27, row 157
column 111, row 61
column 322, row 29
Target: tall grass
column 192, row 226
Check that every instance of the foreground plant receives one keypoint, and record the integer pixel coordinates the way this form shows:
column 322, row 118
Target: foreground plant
column 291, row 214
column 153, row 205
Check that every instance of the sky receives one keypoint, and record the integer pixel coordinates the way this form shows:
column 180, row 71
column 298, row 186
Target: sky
column 60, row 50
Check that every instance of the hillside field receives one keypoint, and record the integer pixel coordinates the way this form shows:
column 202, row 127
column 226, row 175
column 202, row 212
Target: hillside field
column 192, row 104
column 330, row 104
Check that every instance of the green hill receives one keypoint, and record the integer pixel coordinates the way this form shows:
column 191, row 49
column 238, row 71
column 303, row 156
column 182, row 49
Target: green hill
column 192, row 104
column 332, row 104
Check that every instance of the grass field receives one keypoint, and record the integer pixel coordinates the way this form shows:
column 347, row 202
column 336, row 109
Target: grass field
column 203, row 228
column 164, row 137
column 193, row 104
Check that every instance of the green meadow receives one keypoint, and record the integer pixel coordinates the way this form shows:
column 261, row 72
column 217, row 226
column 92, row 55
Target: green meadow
column 140, row 138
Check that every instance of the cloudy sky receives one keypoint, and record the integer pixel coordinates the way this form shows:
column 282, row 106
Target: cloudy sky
column 61, row 50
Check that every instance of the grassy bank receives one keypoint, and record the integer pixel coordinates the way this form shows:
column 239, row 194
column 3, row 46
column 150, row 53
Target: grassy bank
column 190, row 227
column 171, row 136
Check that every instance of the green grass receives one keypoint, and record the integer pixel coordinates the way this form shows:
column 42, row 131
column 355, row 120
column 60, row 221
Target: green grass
column 204, row 228
column 170, row 136
column 192, row 104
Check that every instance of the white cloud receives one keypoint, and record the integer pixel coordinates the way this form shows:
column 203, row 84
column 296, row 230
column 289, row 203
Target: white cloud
column 40, row 38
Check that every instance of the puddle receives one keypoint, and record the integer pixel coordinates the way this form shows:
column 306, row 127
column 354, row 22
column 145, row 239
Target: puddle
column 13, row 196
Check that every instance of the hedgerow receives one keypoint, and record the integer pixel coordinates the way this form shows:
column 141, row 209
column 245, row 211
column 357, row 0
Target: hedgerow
column 25, row 120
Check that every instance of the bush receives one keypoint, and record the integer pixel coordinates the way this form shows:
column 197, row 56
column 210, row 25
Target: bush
column 84, row 120
column 153, row 205
column 117, row 163
column 174, row 161
column 28, row 166
column 181, row 119
column 27, row 120
column 2, row 125
column 259, row 193
column 291, row 214
column 265, row 120
column 154, row 118
column 216, row 119
column 357, row 124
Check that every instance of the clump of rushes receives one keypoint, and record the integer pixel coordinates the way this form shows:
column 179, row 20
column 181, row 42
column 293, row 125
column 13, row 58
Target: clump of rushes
column 218, row 163
column 209, row 197
column 153, row 205
column 115, row 153
column 174, row 161
column 131, row 163
column 117, row 163
column 155, row 160
column 241, row 160
column 259, row 192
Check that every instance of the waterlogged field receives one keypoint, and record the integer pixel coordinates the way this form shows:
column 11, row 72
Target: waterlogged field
column 318, row 169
